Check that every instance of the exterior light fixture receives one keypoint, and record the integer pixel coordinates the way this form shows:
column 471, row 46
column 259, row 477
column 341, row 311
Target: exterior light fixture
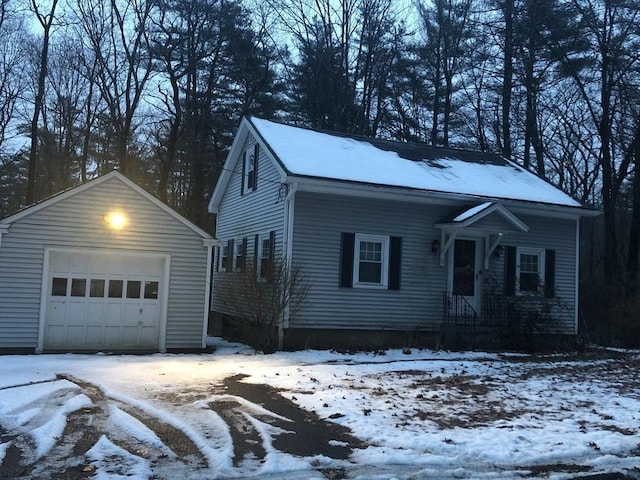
column 116, row 220
column 497, row 252
column 435, row 246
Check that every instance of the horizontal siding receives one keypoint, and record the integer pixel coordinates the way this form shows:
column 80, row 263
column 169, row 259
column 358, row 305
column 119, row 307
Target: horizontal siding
column 257, row 212
column 77, row 222
column 320, row 220
column 548, row 233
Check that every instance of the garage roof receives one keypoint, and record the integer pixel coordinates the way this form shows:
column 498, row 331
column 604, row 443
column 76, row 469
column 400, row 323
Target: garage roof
column 7, row 221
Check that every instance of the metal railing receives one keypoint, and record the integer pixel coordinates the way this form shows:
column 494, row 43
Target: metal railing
column 458, row 311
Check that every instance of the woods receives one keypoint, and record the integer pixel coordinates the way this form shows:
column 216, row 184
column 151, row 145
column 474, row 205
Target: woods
column 156, row 88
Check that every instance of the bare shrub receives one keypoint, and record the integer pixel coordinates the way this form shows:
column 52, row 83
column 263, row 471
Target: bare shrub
column 259, row 302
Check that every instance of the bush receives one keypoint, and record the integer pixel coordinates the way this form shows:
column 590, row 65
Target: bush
column 259, row 305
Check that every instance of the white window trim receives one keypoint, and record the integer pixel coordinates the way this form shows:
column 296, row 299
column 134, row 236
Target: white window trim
column 384, row 240
column 261, row 253
column 237, row 249
column 249, row 155
column 540, row 253
column 222, row 267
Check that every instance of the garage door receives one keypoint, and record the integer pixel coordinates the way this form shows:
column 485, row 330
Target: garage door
column 103, row 301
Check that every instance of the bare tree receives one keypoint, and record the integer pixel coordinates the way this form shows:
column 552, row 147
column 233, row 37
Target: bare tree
column 46, row 21
column 117, row 34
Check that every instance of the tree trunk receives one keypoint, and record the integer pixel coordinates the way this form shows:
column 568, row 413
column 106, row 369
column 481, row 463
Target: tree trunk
column 507, row 76
column 46, row 22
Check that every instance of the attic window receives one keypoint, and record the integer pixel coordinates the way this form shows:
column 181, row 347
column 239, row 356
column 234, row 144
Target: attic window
column 250, row 169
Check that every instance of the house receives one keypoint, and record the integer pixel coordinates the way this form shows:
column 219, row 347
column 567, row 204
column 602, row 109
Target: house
column 397, row 240
column 104, row 266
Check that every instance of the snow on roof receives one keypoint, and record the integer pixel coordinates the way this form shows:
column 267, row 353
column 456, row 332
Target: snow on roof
column 472, row 211
column 310, row 153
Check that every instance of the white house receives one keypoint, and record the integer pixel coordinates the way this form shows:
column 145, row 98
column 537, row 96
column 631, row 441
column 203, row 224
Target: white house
column 398, row 240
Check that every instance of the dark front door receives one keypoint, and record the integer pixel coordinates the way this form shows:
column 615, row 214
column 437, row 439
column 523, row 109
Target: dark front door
column 465, row 270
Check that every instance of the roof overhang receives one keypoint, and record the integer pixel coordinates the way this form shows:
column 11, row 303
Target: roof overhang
column 230, row 167
column 385, row 192
column 470, row 216
column 6, row 222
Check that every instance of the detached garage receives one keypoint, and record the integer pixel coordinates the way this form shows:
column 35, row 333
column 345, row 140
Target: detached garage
column 104, row 266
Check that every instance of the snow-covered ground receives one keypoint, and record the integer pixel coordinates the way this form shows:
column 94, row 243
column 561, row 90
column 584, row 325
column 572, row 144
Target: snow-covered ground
column 416, row 415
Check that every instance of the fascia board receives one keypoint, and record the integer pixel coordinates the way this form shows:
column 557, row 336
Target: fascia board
column 356, row 189
column 94, row 183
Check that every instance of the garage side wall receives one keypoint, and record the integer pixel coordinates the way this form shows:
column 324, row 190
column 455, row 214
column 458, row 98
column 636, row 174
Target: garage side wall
column 78, row 222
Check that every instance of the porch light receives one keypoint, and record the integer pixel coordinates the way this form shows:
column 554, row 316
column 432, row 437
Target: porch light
column 497, row 252
column 435, row 246
column 116, row 220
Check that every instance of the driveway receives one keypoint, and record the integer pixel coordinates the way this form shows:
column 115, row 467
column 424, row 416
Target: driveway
column 319, row 415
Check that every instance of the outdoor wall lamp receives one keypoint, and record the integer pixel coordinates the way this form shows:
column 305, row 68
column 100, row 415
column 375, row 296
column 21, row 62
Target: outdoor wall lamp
column 435, row 246
column 116, row 220
column 497, row 252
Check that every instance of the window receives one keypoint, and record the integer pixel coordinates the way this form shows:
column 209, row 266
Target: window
column 115, row 288
column 371, row 261
column 96, row 288
column 250, row 169
column 224, row 258
column 78, row 287
column 530, row 270
column 133, row 288
column 240, row 255
column 59, row 287
column 265, row 257
column 151, row 290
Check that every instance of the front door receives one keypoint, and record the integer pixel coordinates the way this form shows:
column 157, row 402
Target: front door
column 464, row 272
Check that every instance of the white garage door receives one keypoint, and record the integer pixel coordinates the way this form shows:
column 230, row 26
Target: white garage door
column 103, row 301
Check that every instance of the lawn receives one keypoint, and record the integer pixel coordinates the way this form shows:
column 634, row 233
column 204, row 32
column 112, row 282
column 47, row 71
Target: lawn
column 236, row 413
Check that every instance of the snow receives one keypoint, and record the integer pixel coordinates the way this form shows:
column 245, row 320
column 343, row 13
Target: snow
column 316, row 154
column 472, row 211
column 425, row 414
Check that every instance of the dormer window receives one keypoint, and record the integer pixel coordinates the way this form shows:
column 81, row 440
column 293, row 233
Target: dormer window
column 250, row 169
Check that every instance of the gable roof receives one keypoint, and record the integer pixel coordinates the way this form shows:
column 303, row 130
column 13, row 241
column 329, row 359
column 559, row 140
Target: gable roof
column 470, row 215
column 7, row 221
column 308, row 153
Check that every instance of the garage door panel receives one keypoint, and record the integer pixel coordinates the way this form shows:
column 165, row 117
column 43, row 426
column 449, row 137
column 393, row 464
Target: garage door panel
column 103, row 301
column 95, row 335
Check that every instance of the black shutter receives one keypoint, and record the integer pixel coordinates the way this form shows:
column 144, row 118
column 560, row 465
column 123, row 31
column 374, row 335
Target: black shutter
column 216, row 263
column 395, row 259
column 346, row 259
column 230, row 256
column 256, row 260
column 256, row 154
column 244, row 172
column 510, row 271
column 549, row 273
column 243, row 260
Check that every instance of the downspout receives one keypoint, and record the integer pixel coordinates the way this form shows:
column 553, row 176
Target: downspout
column 209, row 244
column 289, row 205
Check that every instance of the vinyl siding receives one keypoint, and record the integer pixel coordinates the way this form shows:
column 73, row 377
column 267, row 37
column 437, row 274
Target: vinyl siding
column 77, row 222
column 320, row 220
column 548, row 233
column 257, row 212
